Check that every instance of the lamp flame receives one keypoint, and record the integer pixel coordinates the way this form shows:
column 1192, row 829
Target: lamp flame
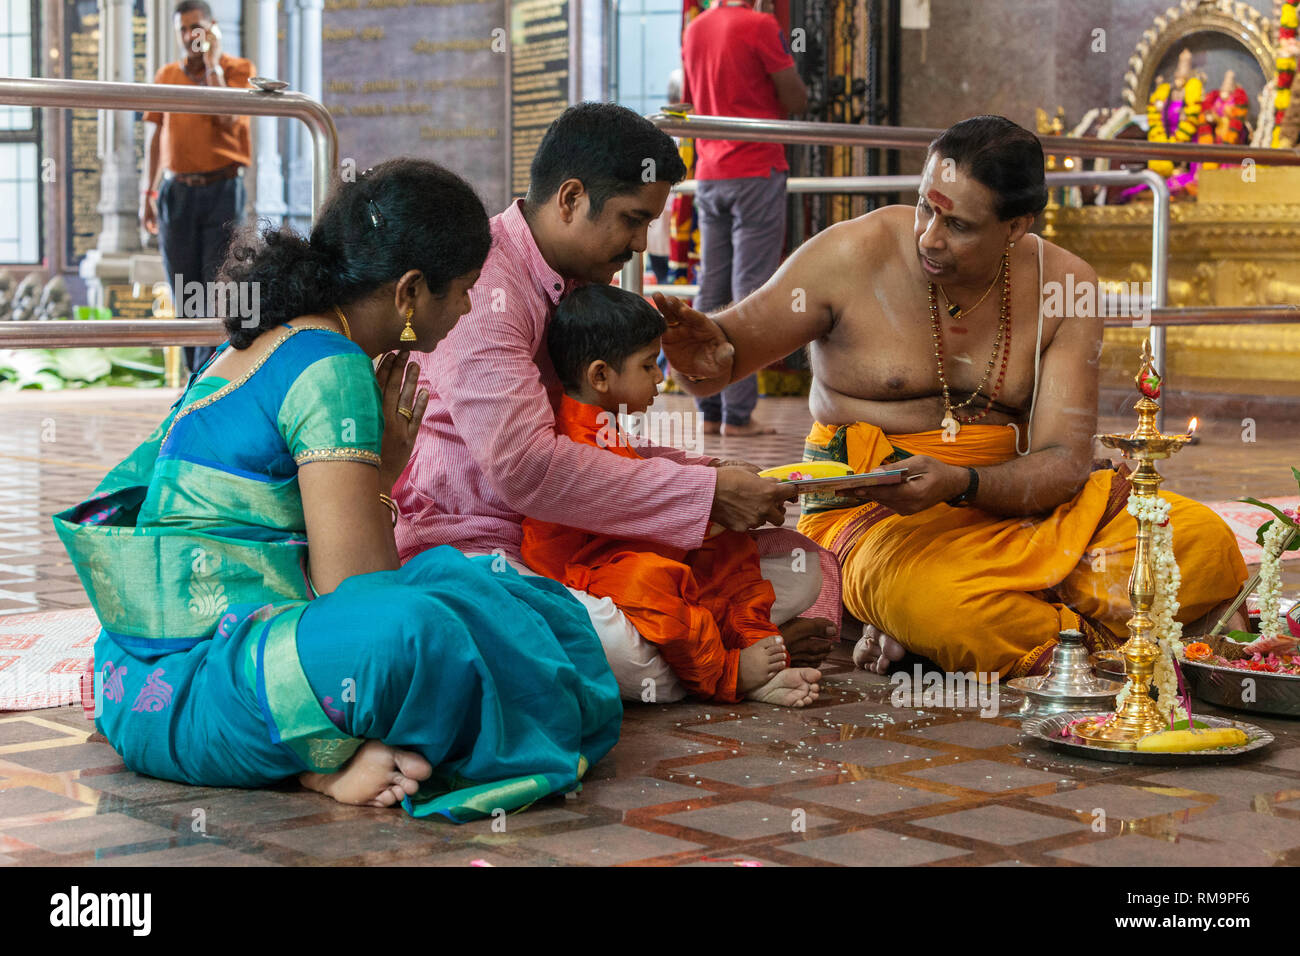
column 1191, row 427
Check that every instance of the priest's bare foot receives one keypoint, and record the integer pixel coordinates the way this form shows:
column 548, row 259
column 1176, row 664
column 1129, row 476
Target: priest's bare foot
column 760, row 662
column 377, row 776
column 711, row 428
column 747, row 430
column 877, row 650
column 809, row 640
column 792, row 687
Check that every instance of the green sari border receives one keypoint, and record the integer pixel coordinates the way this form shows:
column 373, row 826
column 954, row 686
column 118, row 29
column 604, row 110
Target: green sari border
column 294, row 716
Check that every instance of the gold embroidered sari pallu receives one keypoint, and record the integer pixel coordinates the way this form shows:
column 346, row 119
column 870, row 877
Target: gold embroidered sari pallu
column 977, row 592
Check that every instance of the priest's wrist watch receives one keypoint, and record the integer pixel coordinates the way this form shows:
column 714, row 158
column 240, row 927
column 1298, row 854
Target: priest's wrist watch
column 967, row 498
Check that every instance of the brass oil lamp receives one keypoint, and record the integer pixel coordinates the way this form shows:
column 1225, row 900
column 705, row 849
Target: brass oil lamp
column 1138, row 716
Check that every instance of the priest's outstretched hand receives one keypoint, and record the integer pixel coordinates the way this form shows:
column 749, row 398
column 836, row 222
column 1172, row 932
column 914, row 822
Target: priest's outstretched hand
column 695, row 345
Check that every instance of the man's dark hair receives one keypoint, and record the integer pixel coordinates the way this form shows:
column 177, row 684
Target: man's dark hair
column 1004, row 157
column 403, row 214
column 599, row 322
column 185, row 6
column 606, row 146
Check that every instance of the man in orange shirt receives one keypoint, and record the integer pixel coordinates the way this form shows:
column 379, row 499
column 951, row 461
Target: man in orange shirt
column 201, row 159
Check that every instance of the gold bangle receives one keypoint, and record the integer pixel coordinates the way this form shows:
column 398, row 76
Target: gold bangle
column 391, row 505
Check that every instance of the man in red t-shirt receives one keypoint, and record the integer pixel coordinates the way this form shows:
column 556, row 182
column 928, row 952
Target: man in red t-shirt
column 736, row 64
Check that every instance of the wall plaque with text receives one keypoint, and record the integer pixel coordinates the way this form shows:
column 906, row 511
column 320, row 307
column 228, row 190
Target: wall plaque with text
column 539, row 78
column 422, row 78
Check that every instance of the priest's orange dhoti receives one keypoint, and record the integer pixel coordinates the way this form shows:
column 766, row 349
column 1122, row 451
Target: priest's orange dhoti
column 973, row 591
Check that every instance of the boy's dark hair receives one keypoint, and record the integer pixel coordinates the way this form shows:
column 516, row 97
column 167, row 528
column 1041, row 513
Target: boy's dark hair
column 185, row 6
column 998, row 154
column 609, row 148
column 403, row 214
column 599, row 322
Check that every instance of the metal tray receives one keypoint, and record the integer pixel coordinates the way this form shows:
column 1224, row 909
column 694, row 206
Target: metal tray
column 1047, row 730
column 1216, row 684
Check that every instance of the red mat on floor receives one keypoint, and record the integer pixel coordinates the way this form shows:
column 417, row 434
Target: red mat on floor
column 1243, row 519
column 43, row 657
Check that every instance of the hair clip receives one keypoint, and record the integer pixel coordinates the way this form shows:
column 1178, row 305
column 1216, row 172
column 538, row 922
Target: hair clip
column 376, row 217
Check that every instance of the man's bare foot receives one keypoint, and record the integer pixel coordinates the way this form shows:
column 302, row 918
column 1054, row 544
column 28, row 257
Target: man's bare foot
column 747, row 430
column 760, row 662
column 792, row 687
column 711, row 428
column 809, row 640
column 877, row 650
column 377, row 776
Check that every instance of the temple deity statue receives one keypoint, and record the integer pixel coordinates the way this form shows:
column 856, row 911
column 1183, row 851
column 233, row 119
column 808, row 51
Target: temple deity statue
column 1223, row 114
column 1174, row 116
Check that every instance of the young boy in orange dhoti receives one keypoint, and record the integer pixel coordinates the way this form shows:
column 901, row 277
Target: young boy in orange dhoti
column 707, row 610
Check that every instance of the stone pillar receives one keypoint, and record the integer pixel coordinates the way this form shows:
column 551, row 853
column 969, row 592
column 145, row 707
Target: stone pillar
column 119, row 185
column 267, row 192
column 308, row 38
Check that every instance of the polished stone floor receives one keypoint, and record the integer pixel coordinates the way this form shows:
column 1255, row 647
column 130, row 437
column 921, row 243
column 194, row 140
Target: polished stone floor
column 853, row 780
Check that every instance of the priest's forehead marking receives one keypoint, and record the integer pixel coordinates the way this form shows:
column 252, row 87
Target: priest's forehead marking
column 939, row 199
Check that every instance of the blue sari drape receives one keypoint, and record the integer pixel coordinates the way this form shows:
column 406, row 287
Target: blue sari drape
column 218, row 666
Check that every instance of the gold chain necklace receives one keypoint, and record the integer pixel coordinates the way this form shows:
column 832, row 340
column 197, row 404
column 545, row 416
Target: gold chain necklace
column 951, row 423
column 956, row 312
column 347, row 333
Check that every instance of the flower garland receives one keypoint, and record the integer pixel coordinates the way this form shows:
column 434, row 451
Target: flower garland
column 1286, row 66
column 1188, row 122
column 1164, row 609
column 1270, row 579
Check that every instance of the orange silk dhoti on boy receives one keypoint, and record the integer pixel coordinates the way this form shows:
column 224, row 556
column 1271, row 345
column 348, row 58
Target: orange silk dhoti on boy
column 976, row 592
column 701, row 607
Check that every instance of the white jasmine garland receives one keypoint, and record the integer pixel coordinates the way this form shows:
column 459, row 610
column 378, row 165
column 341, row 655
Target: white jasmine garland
column 1166, row 630
column 1270, row 579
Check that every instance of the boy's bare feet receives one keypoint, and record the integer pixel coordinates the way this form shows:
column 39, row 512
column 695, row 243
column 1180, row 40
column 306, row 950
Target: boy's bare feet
column 877, row 650
column 760, row 662
column 792, row 687
column 747, row 430
column 809, row 640
column 377, row 776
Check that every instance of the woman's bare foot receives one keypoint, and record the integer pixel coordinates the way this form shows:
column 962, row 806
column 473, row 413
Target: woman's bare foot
column 809, row 640
column 877, row 650
column 760, row 662
column 792, row 687
column 377, row 776
column 747, row 430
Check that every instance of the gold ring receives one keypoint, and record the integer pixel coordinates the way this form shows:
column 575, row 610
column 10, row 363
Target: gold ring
column 405, row 413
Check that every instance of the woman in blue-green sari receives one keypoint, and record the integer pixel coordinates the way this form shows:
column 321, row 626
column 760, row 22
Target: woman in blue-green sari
column 256, row 622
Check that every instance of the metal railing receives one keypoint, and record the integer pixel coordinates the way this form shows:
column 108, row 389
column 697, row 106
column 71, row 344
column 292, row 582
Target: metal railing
column 632, row 277
column 91, row 94
column 911, row 137
column 169, row 98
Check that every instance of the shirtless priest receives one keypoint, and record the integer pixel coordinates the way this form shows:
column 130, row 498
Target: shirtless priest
column 937, row 344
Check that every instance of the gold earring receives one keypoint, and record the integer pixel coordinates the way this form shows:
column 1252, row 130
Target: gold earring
column 408, row 333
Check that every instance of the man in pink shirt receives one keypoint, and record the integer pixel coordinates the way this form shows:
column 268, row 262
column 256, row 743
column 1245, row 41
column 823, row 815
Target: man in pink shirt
column 488, row 452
